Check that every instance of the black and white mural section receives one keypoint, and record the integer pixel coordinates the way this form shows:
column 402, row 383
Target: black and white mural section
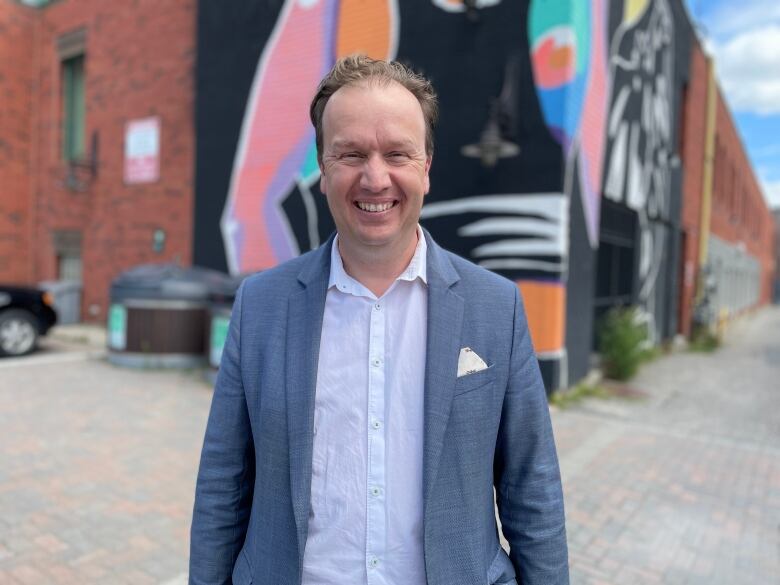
column 642, row 163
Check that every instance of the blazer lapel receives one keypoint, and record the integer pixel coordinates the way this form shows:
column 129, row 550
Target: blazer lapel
column 445, row 319
column 304, row 327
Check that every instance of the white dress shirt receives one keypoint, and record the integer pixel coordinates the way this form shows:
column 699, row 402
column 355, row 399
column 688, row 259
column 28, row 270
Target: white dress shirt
column 366, row 515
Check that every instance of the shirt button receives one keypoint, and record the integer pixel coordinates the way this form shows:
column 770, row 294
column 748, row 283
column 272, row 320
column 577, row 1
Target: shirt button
column 377, row 425
column 378, row 307
column 375, row 491
column 374, row 563
column 377, row 363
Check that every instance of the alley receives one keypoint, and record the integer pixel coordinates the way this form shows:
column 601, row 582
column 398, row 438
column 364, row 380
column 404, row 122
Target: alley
column 680, row 482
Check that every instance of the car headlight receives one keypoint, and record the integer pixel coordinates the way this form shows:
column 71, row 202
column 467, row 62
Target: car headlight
column 48, row 298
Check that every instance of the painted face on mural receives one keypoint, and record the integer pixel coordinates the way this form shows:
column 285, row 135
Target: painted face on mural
column 374, row 167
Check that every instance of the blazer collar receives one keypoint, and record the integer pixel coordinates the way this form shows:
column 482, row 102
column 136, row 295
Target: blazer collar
column 445, row 321
column 305, row 312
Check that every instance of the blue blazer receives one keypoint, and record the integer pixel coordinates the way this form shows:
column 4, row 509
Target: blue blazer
column 483, row 430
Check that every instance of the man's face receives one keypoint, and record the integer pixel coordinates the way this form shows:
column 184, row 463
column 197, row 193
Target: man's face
column 374, row 165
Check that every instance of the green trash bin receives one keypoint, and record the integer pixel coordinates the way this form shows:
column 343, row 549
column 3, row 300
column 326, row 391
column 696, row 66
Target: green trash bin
column 159, row 314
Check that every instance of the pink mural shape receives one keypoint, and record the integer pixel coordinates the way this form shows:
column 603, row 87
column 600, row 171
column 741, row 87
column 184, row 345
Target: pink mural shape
column 276, row 134
column 276, row 148
column 593, row 134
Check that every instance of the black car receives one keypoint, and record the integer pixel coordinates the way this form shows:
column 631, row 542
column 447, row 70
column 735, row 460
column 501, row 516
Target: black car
column 25, row 314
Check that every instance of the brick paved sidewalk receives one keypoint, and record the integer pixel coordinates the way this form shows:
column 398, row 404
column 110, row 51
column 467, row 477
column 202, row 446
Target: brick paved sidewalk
column 682, row 486
column 97, row 470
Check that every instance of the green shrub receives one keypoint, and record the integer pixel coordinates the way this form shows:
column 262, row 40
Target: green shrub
column 573, row 396
column 622, row 338
column 704, row 340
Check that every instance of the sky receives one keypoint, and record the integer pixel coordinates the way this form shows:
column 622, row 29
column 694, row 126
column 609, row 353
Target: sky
column 744, row 38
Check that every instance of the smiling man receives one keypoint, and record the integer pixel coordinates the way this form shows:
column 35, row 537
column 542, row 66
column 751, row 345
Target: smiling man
column 374, row 392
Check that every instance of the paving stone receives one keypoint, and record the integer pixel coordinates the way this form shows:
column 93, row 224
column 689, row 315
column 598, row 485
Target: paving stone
column 98, row 466
column 682, row 486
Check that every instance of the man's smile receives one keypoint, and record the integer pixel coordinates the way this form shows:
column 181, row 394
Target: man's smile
column 375, row 207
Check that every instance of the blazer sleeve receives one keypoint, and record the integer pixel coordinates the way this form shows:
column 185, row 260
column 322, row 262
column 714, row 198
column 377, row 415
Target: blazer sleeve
column 223, row 493
column 527, row 477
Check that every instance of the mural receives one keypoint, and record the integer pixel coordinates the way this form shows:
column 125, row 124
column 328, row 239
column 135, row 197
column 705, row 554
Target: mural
column 544, row 105
column 276, row 149
column 641, row 150
column 525, row 236
column 460, row 5
column 568, row 53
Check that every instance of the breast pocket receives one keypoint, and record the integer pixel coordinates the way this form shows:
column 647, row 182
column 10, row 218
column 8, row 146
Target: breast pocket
column 475, row 381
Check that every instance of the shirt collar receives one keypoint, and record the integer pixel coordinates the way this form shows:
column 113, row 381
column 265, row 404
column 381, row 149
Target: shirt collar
column 417, row 268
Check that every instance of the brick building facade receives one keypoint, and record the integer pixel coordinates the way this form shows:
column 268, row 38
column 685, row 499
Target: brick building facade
column 742, row 232
column 694, row 162
column 17, row 25
column 74, row 215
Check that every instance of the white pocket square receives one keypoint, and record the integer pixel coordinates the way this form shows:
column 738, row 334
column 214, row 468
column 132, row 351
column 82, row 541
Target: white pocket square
column 469, row 362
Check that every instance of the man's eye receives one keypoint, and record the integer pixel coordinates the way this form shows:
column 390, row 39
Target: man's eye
column 397, row 155
column 351, row 155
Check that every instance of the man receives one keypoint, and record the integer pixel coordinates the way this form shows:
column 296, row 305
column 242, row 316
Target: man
column 373, row 392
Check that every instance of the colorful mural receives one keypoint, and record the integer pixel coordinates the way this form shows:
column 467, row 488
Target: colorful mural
column 546, row 106
column 276, row 149
column 568, row 54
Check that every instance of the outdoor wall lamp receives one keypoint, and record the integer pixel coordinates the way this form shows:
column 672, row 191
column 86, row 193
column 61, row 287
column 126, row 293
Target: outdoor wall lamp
column 492, row 145
column 85, row 167
column 494, row 140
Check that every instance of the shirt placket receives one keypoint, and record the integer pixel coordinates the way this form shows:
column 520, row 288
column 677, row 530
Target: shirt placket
column 376, row 481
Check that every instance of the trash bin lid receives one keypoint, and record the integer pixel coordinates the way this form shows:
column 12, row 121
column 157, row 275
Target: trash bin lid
column 171, row 282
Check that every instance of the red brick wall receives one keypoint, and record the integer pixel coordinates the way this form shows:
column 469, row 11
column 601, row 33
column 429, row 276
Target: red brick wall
column 139, row 62
column 739, row 211
column 17, row 26
column 693, row 145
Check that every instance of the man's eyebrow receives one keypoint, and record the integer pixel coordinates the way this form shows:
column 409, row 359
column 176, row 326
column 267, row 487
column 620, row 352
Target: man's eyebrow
column 344, row 144
column 402, row 143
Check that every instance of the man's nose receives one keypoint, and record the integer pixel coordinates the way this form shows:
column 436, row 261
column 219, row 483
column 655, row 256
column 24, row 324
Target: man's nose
column 375, row 177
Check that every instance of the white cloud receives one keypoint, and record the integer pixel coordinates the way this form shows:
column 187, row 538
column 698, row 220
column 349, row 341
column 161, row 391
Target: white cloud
column 748, row 67
column 731, row 18
column 771, row 193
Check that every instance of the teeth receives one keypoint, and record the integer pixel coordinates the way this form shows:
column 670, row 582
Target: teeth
column 373, row 207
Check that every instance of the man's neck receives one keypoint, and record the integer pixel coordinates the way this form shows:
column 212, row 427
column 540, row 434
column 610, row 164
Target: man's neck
column 377, row 269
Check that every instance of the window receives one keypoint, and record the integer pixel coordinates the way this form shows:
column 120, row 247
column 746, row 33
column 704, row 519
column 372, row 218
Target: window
column 73, row 108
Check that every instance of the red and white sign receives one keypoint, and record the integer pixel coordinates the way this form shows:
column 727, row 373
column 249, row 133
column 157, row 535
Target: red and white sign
column 142, row 151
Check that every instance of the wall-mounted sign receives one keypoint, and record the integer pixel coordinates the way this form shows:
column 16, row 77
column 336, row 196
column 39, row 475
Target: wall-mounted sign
column 142, row 151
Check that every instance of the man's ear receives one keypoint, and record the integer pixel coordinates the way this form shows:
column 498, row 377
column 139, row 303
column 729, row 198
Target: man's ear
column 322, row 175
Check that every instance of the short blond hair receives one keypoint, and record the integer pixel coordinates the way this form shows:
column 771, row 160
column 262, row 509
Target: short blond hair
column 357, row 69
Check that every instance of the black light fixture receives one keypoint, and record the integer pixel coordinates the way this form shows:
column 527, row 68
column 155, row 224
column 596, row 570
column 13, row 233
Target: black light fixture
column 494, row 140
column 472, row 11
column 82, row 171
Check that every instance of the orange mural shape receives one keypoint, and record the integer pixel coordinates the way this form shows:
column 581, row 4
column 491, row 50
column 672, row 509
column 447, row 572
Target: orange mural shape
column 368, row 27
column 545, row 308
